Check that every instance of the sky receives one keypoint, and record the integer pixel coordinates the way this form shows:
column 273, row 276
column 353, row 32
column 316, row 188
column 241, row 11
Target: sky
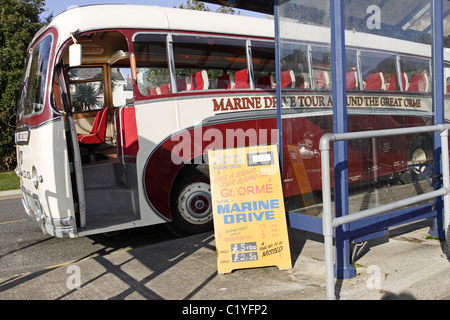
column 58, row 6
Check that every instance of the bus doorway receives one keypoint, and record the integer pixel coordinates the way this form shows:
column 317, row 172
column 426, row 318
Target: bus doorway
column 99, row 98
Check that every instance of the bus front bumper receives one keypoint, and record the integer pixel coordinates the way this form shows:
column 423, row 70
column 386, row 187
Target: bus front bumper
column 57, row 227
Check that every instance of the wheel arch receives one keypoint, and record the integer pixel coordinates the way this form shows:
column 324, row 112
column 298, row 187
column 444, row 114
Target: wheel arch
column 159, row 183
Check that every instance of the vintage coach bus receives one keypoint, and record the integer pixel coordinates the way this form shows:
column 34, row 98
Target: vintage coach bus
column 120, row 104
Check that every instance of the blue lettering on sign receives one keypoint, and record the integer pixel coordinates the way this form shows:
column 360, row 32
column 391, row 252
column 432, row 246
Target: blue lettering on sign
column 248, row 211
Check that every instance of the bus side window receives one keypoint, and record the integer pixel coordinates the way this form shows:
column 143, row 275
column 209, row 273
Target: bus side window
column 204, row 62
column 377, row 70
column 33, row 96
column 294, row 62
column 351, row 76
column 447, row 78
column 417, row 71
column 321, row 64
column 263, row 59
column 122, row 86
column 151, row 63
column 56, row 96
column 87, row 88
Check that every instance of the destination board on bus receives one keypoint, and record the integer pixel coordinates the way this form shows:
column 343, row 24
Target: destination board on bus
column 248, row 208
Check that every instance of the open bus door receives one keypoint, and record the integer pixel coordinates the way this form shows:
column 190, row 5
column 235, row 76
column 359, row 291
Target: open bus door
column 73, row 150
column 43, row 162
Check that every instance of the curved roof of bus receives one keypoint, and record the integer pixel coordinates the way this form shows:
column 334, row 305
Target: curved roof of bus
column 95, row 17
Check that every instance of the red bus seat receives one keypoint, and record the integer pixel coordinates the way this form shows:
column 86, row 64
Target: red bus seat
column 392, row 85
column 182, row 84
column 97, row 135
column 154, row 91
column 351, row 80
column 127, row 137
column 301, row 83
column 323, row 79
column 225, row 81
column 287, row 79
column 265, row 82
column 241, row 79
column 201, row 80
column 375, row 81
column 165, row 88
column 419, row 82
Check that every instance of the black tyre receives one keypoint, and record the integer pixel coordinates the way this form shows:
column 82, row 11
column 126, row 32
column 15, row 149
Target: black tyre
column 191, row 204
column 420, row 159
column 421, row 151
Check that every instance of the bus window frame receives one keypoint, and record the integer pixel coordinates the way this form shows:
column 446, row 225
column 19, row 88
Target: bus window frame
column 103, row 80
column 132, row 47
column 447, row 82
column 252, row 81
column 429, row 74
column 21, row 111
column 299, row 73
column 253, row 43
column 116, row 64
column 223, row 40
column 365, row 71
column 171, row 61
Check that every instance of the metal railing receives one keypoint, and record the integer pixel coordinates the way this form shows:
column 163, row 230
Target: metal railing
column 329, row 222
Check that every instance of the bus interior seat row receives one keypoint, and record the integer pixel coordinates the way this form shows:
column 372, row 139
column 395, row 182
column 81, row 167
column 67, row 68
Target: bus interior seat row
column 288, row 80
column 196, row 81
column 376, row 81
column 240, row 80
column 418, row 83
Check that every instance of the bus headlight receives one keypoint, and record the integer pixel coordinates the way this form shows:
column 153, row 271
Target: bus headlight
column 35, row 177
column 18, row 172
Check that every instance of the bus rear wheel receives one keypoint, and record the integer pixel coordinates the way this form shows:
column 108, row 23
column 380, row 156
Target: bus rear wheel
column 420, row 160
column 191, row 204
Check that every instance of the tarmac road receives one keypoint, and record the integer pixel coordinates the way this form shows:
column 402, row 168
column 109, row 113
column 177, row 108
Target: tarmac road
column 24, row 248
column 139, row 264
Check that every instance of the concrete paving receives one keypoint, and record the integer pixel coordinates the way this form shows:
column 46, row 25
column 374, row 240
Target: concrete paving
column 405, row 265
column 10, row 194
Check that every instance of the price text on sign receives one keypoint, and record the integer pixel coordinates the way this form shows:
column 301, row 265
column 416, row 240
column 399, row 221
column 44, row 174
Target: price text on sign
column 249, row 215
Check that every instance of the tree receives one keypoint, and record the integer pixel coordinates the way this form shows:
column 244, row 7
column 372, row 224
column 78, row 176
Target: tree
column 199, row 5
column 87, row 96
column 19, row 21
column 194, row 5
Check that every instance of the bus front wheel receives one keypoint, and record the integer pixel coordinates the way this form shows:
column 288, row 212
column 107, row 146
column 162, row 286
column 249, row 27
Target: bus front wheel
column 191, row 204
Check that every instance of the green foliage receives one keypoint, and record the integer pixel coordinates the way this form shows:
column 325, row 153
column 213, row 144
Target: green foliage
column 194, row 5
column 9, row 181
column 199, row 5
column 86, row 97
column 19, row 21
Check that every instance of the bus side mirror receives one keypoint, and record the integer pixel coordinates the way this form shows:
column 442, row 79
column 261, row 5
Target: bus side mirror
column 75, row 54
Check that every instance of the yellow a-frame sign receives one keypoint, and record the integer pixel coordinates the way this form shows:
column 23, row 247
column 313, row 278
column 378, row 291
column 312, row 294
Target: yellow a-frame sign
column 248, row 207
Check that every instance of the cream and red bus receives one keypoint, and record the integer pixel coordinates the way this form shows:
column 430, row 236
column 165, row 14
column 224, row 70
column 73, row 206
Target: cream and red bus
column 120, row 105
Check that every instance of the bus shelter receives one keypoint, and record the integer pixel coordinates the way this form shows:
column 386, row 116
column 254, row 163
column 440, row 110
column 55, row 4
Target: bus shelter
column 357, row 63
